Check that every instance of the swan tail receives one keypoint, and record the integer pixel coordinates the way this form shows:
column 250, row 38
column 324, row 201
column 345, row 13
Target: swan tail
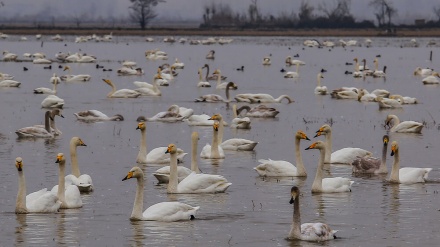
column 222, row 187
column 161, row 178
column 427, row 170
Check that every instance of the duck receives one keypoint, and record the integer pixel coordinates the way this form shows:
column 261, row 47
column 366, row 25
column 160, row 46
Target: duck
column 233, row 144
column 162, row 211
column 69, row 77
column 432, row 79
column 37, row 132
column 69, row 195
column 423, row 72
column 404, row 99
column 341, row 156
column 82, row 181
column 372, row 165
column 292, row 74
column 155, row 91
column 327, row 185
column 261, row 98
column 241, row 68
column 210, row 55
column 281, row 168
column 215, row 98
column 194, row 183
column 213, row 151
column 42, row 201
column 308, row 231
column 155, row 156
column 201, row 82
column 266, row 61
column 406, row 175
column 321, row 90
column 386, row 103
column 52, row 101
column 260, row 111
column 238, row 122
column 96, row 116
column 290, row 61
column 45, row 90
column 121, row 93
column 403, row 127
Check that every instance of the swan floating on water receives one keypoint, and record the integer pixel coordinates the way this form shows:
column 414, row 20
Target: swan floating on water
column 372, row 165
column 96, row 116
column 403, row 127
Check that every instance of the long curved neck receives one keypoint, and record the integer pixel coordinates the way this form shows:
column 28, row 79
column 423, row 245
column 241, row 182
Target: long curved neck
column 319, row 81
column 234, row 111
column 396, row 122
column 297, row 68
column 61, row 183
column 282, row 97
column 173, row 180
column 356, row 66
column 207, row 73
column 383, row 163
column 136, row 214
column 298, row 158
column 20, row 205
column 47, row 122
column 142, row 155
column 52, row 122
column 219, row 78
column 215, row 154
column 394, row 177
column 376, row 66
column 228, row 99
column 317, row 183
column 55, row 87
column 113, row 89
column 221, row 130
column 74, row 159
column 328, row 147
column 245, row 107
column 295, row 230
column 194, row 164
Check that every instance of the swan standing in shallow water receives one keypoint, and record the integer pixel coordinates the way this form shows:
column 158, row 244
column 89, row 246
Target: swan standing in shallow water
column 213, row 151
column 406, row 175
column 37, row 132
column 41, row 201
column 259, row 111
column 403, row 127
column 281, row 168
column 342, row 156
column 371, row 165
column 327, row 185
column 322, row 90
column 121, row 93
column 193, row 183
column 307, row 231
column 96, row 116
column 82, row 181
column 155, row 156
column 163, row 211
column 261, row 98
column 214, row 98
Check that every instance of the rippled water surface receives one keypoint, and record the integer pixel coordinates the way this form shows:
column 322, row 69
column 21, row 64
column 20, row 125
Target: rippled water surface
column 254, row 211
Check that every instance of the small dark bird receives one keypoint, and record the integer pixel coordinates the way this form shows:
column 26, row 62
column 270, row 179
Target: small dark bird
column 241, row 68
column 348, row 72
column 25, row 69
column 297, row 55
column 282, row 70
column 347, row 63
column 378, row 55
column 323, row 70
column 60, row 66
column 107, row 70
column 48, row 67
column 99, row 66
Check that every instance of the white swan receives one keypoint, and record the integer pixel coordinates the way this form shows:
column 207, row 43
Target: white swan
column 238, row 122
column 292, row 74
column 261, row 98
column 377, row 72
column 381, row 93
column 96, row 116
column 432, row 79
column 342, row 156
column 213, row 151
column 327, row 185
column 69, row 77
column 406, row 175
column 201, row 82
column 163, row 211
column 41, row 61
column 423, row 72
column 221, row 85
column 307, row 231
column 210, row 55
column 168, row 116
column 364, row 95
column 266, row 61
column 281, row 168
column 85, row 59
column 357, row 72
column 386, row 103
column 215, row 98
column 345, row 93
column 200, row 120
column 404, row 99
column 52, row 101
column 8, row 56
column 258, row 111
column 177, row 64
column 45, row 90
column 129, row 71
column 213, row 76
column 121, row 93
column 193, row 183
column 183, row 111
column 41, row 201
column 155, row 156
column 68, row 194
column 403, row 127
column 322, row 90
column 128, row 63
column 290, row 61
column 155, row 91
column 82, row 181
column 6, row 81
column 37, row 132
column 372, row 165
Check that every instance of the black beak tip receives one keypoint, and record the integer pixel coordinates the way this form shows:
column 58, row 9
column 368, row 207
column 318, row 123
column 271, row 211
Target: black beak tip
column 307, row 139
column 316, row 136
column 62, row 116
column 291, row 200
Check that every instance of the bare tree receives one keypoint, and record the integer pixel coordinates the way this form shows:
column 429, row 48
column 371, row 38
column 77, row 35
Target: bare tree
column 253, row 11
column 78, row 19
column 142, row 11
column 384, row 9
column 339, row 10
column 305, row 12
column 436, row 11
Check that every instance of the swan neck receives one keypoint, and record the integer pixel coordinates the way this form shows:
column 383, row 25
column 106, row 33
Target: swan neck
column 227, row 94
column 297, row 68
column 47, row 122
column 214, row 146
column 295, row 231
column 142, row 155
column 207, row 73
column 282, row 97
column 20, row 205
column 394, row 177
column 299, row 162
column 138, row 200
column 219, row 79
column 194, row 164
column 221, row 130
column 328, row 147
column 319, row 81
column 317, row 183
column 200, row 75
column 61, row 182
column 234, row 111
column 383, row 163
column 74, row 159
column 113, row 89
column 396, row 121
column 173, row 181
column 55, row 87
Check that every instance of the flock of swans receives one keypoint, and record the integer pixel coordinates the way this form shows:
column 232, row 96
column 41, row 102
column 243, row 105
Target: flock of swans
column 179, row 179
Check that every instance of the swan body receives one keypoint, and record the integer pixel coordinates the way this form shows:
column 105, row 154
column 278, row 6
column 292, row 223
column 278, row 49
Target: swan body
column 293, row 74
column 372, row 165
column 96, row 116
column 53, row 129
column 404, row 99
column 70, row 78
column 44, row 90
column 239, row 123
column 36, row 131
column 307, row 231
column 155, row 91
column 166, row 116
column 364, row 95
column 82, row 181
column 322, row 90
column 423, row 72
column 215, row 98
column 290, row 61
column 52, row 101
column 199, row 120
column 342, row 156
column 327, row 185
column 201, row 82
column 121, row 93
column 41, row 61
column 266, row 61
column 210, row 55
column 68, row 194
column 183, row 111
column 41, row 201
column 261, row 98
column 177, row 64
column 432, row 79
column 406, row 175
column 129, row 71
column 403, row 127
column 386, row 103
column 9, row 83
column 345, row 94
column 8, row 56
column 163, row 211
column 194, row 182
column 259, row 111
column 280, row 168
column 213, row 151
column 127, row 63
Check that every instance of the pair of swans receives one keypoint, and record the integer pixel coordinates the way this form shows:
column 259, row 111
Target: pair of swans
column 146, row 90
column 387, row 103
column 202, row 83
column 7, row 82
column 261, row 98
column 403, row 127
column 155, row 156
column 71, row 78
column 96, row 116
column 321, row 90
column 215, row 98
column 213, row 151
column 48, row 130
column 342, row 156
column 9, row 56
column 214, row 76
column 239, row 122
column 121, row 93
column 260, row 111
column 68, row 194
column 307, row 231
column 281, row 168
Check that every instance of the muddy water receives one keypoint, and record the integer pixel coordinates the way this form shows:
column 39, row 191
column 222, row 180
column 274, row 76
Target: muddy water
column 254, row 211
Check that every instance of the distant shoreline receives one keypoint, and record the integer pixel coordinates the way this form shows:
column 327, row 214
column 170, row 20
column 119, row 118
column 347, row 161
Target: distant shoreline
column 425, row 32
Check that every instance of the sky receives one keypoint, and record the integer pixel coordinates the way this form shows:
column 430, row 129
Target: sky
column 192, row 10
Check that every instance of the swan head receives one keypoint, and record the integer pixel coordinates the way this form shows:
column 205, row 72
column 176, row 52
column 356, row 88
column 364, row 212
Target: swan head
column 19, row 163
column 65, row 68
column 216, row 72
column 141, row 126
column 385, row 140
column 323, row 130
column 60, row 158
column 171, row 149
column 394, row 148
column 301, row 135
column 215, row 126
column 436, row 74
column 355, row 59
column 389, row 119
column 135, row 172
column 56, row 112
column 417, row 71
column 195, row 136
column 294, row 193
column 231, row 84
column 118, row 117
column 108, row 81
column 217, row 117
column 141, row 119
column 316, row 145
column 78, row 142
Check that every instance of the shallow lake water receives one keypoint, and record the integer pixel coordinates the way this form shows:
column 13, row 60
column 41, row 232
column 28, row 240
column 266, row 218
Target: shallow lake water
column 254, row 211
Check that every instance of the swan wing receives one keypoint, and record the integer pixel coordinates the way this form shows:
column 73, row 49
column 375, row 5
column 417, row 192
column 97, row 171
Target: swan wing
column 72, row 196
column 203, row 183
column 348, row 155
column 125, row 93
column 316, row 232
column 158, row 156
column 409, row 127
column 409, row 175
column 275, row 168
column 365, row 164
column 238, row 144
column 33, row 131
column 170, row 211
column 337, row 184
column 42, row 201
column 91, row 115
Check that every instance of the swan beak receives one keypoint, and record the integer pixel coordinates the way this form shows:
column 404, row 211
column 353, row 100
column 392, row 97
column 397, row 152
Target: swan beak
column 58, row 160
column 65, row 68
column 81, row 143
column 168, row 150
column 311, row 146
column 61, row 115
column 129, row 175
column 318, row 133
column 19, row 165
column 138, row 128
column 291, row 200
column 393, row 150
column 307, row 138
